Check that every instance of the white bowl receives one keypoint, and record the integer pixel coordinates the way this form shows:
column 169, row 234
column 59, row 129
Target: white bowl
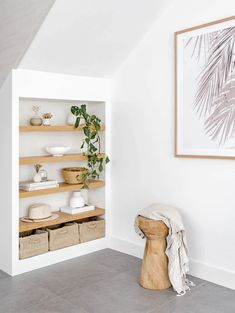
column 58, row 150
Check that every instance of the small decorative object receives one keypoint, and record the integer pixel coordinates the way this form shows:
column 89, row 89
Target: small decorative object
column 39, row 212
column 40, row 172
column 77, row 201
column 36, row 120
column 71, row 119
column 37, row 178
column 91, row 128
column 43, row 174
column 205, row 89
column 58, row 150
column 46, row 119
column 74, row 175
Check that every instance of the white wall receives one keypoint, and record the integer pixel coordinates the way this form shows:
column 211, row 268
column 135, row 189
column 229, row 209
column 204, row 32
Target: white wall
column 144, row 169
column 19, row 22
column 92, row 37
column 6, row 175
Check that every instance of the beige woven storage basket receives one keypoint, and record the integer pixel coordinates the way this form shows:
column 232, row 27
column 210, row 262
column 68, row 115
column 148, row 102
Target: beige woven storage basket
column 63, row 236
column 92, row 230
column 33, row 244
column 73, row 175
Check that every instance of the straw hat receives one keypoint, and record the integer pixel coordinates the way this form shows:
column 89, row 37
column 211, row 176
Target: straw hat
column 39, row 212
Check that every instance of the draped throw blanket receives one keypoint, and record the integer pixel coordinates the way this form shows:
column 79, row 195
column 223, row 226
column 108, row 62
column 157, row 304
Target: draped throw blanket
column 177, row 250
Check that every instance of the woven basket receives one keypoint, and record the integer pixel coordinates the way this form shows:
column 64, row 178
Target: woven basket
column 63, row 236
column 34, row 244
column 92, row 230
column 73, row 175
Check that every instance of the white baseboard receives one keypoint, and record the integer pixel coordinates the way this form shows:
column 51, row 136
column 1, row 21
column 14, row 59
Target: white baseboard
column 127, row 247
column 213, row 274
column 198, row 269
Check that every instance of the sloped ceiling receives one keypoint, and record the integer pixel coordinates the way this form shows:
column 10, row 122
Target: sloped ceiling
column 90, row 37
column 19, row 22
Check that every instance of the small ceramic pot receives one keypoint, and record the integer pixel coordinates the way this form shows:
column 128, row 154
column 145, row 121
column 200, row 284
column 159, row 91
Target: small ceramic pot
column 36, row 121
column 76, row 201
column 46, row 121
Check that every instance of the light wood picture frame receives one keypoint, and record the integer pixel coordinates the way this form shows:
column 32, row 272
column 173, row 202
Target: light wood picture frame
column 205, row 90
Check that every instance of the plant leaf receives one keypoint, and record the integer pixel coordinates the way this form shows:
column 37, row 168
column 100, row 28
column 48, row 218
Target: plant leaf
column 83, row 108
column 93, row 134
column 86, row 131
column 93, row 148
column 75, row 110
column 101, row 168
column 77, row 122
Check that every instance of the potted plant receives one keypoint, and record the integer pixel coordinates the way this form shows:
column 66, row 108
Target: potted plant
column 46, row 119
column 95, row 160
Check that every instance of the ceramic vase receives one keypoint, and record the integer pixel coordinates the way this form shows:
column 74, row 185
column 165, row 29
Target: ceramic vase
column 46, row 121
column 76, row 201
column 37, row 178
column 36, row 121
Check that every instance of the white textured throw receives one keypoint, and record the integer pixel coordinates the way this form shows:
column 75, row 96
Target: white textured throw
column 176, row 250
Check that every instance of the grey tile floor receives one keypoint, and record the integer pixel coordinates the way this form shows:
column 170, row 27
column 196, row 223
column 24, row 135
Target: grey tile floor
column 104, row 282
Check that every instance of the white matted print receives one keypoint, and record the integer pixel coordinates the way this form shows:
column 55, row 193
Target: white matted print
column 205, row 90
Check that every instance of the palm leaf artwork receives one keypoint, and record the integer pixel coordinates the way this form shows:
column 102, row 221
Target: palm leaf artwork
column 214, row 101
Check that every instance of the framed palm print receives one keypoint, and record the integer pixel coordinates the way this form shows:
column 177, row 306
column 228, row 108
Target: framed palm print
column 205, row 90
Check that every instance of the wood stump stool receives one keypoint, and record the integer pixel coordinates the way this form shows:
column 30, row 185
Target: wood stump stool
column 154, row 270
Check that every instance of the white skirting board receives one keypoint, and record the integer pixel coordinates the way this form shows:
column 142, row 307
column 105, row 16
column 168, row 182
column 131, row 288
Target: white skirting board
column 198, row 269
column 57, row 256
column 213, row 274
column 127, row 247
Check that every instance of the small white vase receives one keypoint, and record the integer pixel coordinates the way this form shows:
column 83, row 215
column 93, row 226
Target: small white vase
column 46, row 122
column 76, row 201
column 37, row 178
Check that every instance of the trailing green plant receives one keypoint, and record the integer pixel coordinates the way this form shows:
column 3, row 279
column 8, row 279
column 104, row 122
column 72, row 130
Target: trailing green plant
column 95, row 160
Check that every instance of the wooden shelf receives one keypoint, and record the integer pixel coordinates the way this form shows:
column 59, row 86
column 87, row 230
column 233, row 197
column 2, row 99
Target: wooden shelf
column 63, row 187
column 63, row 218
column 52, row 159
column 52, row 128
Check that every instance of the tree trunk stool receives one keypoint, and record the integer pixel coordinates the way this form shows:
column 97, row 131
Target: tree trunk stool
column 154, row 270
